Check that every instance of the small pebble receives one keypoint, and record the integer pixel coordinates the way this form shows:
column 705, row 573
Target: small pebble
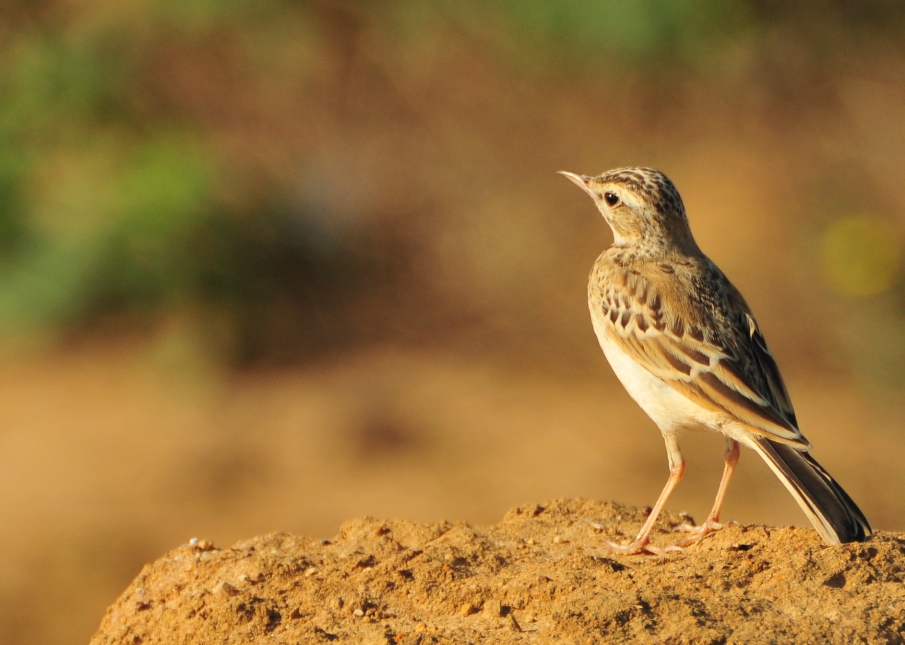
column 493, row 609
column 223, row 588
column 467, row 609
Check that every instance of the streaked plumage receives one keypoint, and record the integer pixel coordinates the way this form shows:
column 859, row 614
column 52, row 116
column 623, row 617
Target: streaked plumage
column 685, row 345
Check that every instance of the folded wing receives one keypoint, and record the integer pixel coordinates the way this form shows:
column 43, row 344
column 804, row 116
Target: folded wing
column 731, row 372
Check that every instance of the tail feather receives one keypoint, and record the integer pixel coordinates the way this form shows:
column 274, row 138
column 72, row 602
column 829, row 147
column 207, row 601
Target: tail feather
column 832, row 512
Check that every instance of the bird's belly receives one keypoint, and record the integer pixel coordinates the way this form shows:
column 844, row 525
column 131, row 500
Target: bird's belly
column 668, row 408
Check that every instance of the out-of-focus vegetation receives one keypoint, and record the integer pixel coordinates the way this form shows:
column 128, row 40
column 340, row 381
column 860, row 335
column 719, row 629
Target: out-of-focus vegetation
column 292, row 177
column 862, row 255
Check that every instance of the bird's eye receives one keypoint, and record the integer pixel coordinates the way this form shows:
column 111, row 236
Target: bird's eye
column 611, row 198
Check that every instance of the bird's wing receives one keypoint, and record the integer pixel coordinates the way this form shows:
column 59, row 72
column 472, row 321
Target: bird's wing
column 706, row 347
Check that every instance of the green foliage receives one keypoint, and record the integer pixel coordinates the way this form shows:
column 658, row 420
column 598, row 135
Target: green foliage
column 144, row 256
column 644, row 31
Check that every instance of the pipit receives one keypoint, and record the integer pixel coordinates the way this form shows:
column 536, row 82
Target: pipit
column 685, row 345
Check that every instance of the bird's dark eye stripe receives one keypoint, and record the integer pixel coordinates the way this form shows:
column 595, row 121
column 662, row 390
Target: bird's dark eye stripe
column 611, row 198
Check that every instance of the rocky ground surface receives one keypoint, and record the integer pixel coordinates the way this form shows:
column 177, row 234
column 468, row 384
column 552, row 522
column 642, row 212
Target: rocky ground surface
column 541, row 575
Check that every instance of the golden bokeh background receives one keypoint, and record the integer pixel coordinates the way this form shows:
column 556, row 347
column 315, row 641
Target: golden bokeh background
column 266, row 266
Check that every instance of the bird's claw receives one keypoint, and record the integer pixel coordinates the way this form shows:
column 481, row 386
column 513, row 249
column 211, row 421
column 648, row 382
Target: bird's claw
column 638, row 547
column 697, row 533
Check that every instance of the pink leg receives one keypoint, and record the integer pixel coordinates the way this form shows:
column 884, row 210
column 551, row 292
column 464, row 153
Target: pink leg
column 713, row 520
column 641, row 543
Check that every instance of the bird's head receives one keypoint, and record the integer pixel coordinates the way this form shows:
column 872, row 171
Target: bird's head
column 642, row 206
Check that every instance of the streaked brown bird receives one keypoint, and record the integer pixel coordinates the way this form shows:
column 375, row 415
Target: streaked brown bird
column 684, row 343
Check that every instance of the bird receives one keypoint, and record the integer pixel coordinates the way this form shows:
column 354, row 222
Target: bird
column 685, row 345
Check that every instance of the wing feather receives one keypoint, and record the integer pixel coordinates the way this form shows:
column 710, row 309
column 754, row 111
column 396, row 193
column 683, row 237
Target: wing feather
column 731, row 371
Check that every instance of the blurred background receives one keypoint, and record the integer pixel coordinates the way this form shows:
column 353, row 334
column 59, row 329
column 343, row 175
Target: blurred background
column 269, row 265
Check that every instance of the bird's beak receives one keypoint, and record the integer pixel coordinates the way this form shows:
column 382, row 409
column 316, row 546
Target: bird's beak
column 582, row 181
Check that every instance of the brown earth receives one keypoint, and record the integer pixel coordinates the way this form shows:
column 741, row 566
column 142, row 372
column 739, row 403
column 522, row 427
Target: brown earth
column 541, row 575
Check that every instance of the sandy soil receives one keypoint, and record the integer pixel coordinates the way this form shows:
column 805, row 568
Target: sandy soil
column 540, row 575
column 127, row 455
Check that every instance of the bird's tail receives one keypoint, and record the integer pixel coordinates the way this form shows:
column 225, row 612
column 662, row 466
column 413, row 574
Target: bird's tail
column 832, row 512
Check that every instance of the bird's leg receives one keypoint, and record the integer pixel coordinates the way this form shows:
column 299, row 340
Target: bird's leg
column 713, row 520
column 641, row 543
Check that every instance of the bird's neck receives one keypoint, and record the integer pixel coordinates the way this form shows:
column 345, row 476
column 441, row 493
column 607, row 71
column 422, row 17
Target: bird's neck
column 655, row 249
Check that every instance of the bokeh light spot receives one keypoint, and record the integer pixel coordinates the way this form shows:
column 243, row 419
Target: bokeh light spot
column 861, row 255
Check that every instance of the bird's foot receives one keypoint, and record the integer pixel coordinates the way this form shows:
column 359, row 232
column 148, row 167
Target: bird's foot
column 640, row 546
column 697, row 533
column 707, row 527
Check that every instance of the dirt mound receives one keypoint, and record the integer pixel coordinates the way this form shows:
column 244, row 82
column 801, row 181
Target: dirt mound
column 541, row 575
